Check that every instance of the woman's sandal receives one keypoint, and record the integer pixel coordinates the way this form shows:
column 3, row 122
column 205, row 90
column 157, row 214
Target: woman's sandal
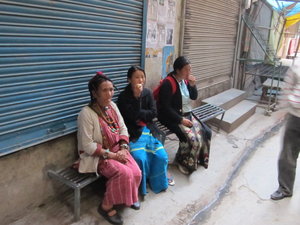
column 114, row 219
column 171, row 180
column 136, row 205
column 183, row 170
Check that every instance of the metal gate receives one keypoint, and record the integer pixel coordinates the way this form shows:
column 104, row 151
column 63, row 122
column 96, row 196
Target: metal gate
column 209, row 42
column 48, row 52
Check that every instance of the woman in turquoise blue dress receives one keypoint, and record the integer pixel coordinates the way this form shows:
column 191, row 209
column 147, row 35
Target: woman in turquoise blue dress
column 137, row 107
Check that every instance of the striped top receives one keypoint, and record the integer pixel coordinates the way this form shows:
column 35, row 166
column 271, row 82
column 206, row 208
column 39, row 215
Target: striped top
column 291, row 91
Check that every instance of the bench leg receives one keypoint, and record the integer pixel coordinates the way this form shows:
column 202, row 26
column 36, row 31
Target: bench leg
column 220, row 121
column 264, row 93
column 77, row 204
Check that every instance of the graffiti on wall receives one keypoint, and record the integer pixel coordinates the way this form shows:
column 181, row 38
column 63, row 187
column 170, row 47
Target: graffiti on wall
column 167, row 60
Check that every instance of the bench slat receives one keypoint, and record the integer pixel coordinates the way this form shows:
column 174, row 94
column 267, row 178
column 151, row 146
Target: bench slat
column 203, row 113
column 207, row 112
column 72, row 178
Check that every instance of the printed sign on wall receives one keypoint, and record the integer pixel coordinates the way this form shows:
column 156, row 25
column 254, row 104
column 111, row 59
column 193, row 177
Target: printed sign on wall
column 167, row 60
column 160, row 26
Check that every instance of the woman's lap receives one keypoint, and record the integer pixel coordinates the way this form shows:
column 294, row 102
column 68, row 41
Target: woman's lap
column 113, row 167
column 152, row 158
column 123, row 181
column 190, row 152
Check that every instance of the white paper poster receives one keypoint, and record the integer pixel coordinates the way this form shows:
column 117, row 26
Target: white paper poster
column 160, row 26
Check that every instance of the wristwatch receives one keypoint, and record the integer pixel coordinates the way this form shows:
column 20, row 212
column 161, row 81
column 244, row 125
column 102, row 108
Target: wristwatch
column 126, row 146
column 105, row 155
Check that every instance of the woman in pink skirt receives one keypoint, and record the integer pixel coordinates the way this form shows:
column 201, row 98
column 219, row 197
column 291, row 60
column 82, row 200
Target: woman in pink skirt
column 103, row 149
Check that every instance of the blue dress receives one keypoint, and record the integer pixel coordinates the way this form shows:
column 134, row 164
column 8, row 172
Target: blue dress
column 152, row 159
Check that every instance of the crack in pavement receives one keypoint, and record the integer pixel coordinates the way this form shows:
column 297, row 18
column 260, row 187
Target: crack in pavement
column 202, row 214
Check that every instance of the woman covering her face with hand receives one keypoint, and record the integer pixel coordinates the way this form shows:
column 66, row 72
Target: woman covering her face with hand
column 175, row 112
column 103, row 149
column 137, row 107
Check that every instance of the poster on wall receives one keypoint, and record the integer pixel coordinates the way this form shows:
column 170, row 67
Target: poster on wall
column 160, row 26
column 161, row 35
column 151, row 34
column 169, row 36
column 152, row 10
column 162, row 11
column 167, row 60
column 171, row 11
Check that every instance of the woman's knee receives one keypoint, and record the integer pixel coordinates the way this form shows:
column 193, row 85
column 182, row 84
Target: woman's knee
column 136, row 173
column 129, row 173
column 162, row 155
column 140, row 159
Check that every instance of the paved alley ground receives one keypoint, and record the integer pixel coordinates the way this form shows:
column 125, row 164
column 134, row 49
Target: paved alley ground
column 191, row 194
column 235, row 189
column 248, row 201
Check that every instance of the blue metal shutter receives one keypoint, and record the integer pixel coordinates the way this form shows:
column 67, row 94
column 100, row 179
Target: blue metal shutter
column 48, row 52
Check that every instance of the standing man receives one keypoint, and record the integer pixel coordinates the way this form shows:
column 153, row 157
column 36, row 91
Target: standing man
column 287, row 161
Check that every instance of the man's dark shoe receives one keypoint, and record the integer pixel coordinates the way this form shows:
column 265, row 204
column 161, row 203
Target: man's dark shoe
column 278, row 195
column 136, row 205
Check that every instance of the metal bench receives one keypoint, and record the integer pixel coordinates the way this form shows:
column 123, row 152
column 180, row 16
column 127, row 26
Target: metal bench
column 271, row 86
column 203, row 113
column 208, row 111
column 72, row 178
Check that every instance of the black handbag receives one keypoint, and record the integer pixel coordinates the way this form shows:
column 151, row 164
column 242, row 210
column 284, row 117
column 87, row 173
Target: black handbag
column 157, row 133
column 207, row 133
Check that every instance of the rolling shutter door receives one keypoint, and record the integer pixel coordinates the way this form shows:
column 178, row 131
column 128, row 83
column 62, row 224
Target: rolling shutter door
column 209, row 42
column 49, row 51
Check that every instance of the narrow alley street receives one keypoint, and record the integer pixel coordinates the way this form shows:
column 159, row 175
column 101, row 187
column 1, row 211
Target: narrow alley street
column 198, row 192
column 248, row 201
column 76, row 91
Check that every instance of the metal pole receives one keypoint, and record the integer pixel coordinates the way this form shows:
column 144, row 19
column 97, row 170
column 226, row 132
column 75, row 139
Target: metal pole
column 237, row 51
column 255, row 37
column 281, row 33
column 296, row 51
column 182, row 27
column 144, row 33
column 77, row 204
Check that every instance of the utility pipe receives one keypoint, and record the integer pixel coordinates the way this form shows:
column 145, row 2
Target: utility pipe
column 182, row 26
column 235, row 67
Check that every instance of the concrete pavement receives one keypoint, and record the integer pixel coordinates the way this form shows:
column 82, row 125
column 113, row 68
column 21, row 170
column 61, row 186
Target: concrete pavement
column 180, row 203
column 248, row 201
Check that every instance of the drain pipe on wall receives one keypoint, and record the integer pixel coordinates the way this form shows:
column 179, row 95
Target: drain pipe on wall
column 237, row 52
column 182, row 24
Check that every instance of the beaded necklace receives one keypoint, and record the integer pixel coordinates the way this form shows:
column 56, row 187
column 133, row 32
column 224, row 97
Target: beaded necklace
column 110, row 121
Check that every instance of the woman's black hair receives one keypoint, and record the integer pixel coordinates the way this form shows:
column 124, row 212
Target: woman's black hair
column 95, row 82
column 180, row 62
column 132, row 69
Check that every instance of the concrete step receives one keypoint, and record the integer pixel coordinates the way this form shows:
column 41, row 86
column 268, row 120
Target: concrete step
column 236, row 115
column 226, row 99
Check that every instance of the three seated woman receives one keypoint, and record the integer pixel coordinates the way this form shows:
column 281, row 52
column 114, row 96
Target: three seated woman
column 131, row 161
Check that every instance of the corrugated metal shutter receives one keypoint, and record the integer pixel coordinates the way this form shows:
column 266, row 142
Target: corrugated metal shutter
column 209, row 42
column 49, row 50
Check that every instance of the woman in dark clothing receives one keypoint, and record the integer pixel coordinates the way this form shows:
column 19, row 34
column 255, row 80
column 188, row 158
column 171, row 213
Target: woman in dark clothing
column 137, row 107
column 174, row 111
